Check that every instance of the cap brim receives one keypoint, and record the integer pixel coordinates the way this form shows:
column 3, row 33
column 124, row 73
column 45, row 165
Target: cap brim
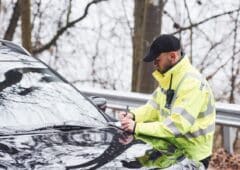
column 149, row 57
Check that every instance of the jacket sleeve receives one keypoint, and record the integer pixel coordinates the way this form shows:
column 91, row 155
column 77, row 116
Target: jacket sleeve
column 184, row 112
column 147, row 112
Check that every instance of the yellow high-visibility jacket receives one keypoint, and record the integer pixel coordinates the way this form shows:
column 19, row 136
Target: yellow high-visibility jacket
column 189, row 122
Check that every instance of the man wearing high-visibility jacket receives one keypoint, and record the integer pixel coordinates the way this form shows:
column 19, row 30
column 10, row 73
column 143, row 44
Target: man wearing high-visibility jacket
column 181, row 109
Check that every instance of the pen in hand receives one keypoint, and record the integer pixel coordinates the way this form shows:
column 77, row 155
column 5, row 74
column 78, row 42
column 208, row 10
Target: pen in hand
column 126, row 111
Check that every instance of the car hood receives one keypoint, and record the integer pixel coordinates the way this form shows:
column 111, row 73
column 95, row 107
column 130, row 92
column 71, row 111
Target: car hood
column 74, row 149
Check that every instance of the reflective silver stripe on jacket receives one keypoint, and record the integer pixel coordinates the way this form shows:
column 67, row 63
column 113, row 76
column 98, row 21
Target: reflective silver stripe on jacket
column 184, row 114
column 210, row 109
column 201, row 132
column 153, row 104
column 170, row 125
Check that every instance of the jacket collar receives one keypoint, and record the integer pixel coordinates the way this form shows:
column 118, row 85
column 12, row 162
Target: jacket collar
column 177, row 71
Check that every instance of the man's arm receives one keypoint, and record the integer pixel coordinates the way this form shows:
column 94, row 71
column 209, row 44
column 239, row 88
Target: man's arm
column 148, row 112
column 184, row 111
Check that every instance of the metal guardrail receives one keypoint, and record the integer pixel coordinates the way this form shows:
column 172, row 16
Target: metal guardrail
column 228, row 115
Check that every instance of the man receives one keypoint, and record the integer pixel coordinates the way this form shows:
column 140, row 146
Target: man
column 181, row 109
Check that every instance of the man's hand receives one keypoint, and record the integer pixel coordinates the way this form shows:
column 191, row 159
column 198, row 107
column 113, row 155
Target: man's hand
column 126, row 139
column 123, row 115
column 128, row 124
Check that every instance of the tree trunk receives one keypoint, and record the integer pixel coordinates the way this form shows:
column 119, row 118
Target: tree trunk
column 148, row 19
column 137, row 40
column 26, row 24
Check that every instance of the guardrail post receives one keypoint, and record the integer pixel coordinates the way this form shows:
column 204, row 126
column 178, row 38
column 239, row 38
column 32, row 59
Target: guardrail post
column 229, row 135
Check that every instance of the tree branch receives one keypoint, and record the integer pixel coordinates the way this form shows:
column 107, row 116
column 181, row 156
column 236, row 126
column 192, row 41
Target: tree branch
column 63, row 29
column 220, row 67
column 206, row 20
column 69, row 11
column 13, row 22
column 191, row 31
column 233, row 75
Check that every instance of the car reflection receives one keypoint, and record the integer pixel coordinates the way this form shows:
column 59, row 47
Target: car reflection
column 84, row 149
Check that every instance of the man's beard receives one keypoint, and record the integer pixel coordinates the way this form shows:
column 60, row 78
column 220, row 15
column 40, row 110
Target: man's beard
column 165, row 69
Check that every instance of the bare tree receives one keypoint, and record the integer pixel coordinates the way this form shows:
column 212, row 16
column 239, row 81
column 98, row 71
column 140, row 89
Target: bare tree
column 148, row 20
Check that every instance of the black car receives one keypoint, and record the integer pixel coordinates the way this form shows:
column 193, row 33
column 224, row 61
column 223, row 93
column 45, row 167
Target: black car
column 46, row 123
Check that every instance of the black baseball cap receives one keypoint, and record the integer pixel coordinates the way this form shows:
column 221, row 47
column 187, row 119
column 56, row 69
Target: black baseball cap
column 164, row 43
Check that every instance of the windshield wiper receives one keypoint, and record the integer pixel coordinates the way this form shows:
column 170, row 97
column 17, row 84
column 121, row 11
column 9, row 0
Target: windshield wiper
column 63, row 127
column 46, row 129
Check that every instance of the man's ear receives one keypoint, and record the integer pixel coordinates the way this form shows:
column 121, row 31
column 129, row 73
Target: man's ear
column 173, row 57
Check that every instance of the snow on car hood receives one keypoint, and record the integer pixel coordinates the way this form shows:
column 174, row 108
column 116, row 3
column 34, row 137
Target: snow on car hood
column 31, row 95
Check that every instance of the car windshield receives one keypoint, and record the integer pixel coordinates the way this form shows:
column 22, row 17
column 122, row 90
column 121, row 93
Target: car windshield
column 32, row 96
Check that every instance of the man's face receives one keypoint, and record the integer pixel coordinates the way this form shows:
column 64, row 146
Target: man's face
column 163, row 62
